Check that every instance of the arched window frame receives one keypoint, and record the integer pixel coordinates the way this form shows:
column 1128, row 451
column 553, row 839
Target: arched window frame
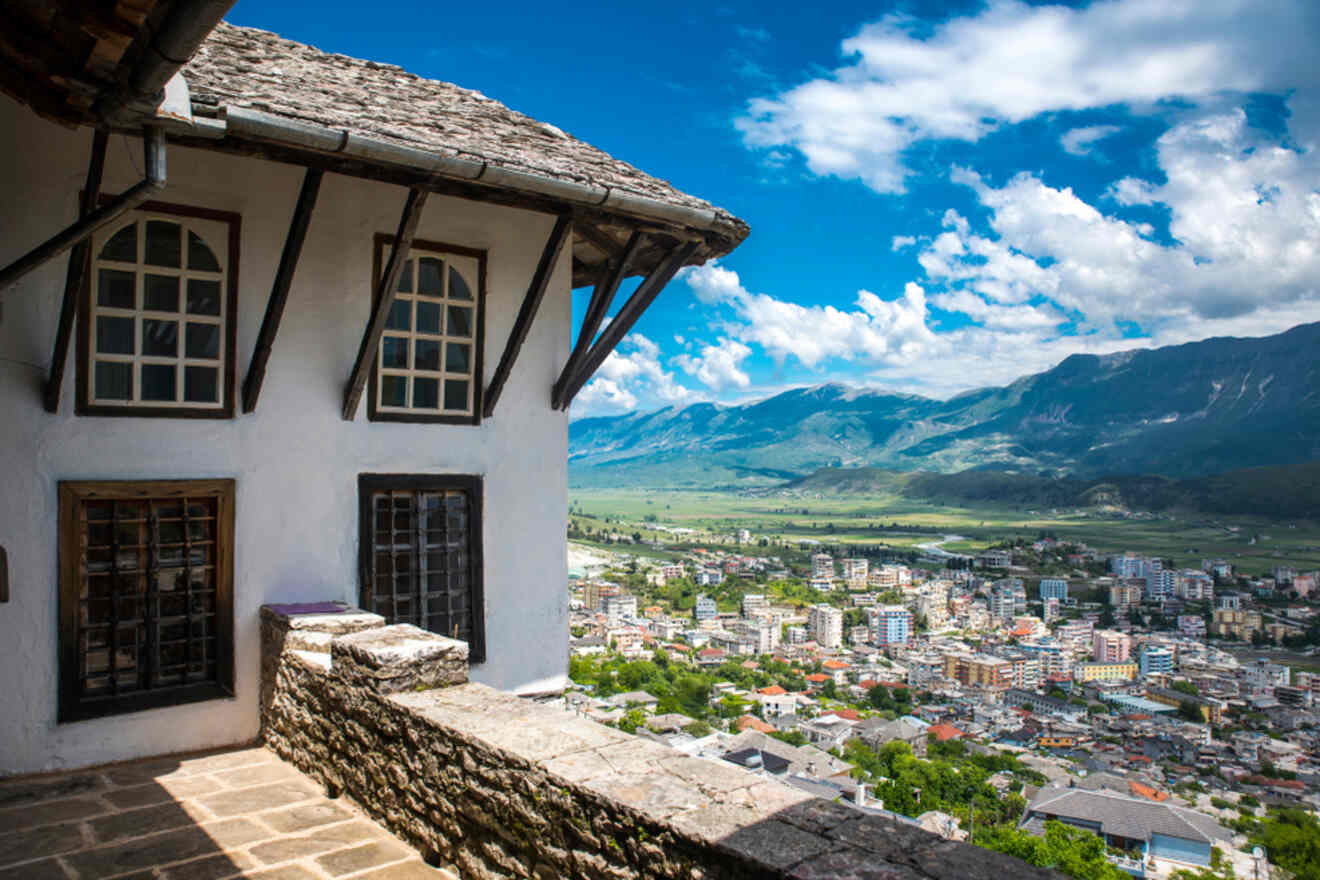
column 471, row 264
column 220, row 231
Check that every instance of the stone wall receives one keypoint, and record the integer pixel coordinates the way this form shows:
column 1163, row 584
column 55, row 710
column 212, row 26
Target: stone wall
column 491, row 785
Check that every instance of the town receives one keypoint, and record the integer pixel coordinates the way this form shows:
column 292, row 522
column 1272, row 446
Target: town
column 1037, row 696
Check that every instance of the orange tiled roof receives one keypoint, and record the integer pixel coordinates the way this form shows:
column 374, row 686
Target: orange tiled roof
column 751, row 722
column 773, row 691
column 1139, row 790
column 945, row 732
column 816, row 676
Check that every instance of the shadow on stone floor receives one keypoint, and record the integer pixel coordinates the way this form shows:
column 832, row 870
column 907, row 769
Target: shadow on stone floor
column 227, row 813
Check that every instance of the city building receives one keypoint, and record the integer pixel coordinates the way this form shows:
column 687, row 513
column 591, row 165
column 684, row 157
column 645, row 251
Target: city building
column 1212, row 710
column 1050, row 655
column 1263, row 676
column 705, row 609
column 1154, row 660
column 825, row 623
column 619, row 609
column 979, row 670
column 1108, row 646
column 1192, row 625
column 854, row 572
column 892, row 625
column 822, row 566
column 709, row 577
column 754, row 603
column 1126, row 593
column 1053, row 588
column 995, row 559
column 1124, row 671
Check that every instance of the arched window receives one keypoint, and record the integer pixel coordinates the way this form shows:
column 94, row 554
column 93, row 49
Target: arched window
column 157, row 335
column 428, row 367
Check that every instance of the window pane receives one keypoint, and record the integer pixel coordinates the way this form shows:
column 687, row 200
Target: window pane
column 430, row 276
column 393, row 391
column 428, row 317
column 160, row 293
column 199, row 255
column 203, row 341
column 122, row 246
column 460, row 321
column 201, row 385
column 405, row 284
column 113, row 381
column 458, row 288
column 163, row 244
column 394, row 352
column 426, row 393
column 203, row 297
column 456, row 394
column 115, row 289
column 114, row 335
column 160, row 338
column 400, row 315
column 427, row 354
column 456, row 357
column 158, row 382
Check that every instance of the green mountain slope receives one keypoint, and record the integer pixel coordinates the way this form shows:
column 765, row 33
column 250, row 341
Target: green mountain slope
column 1188, row 410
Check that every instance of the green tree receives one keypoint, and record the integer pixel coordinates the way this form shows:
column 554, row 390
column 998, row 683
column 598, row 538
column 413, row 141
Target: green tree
column 1189, row 711
column 1071, row 851
column 1291, row 839
column 1186, row 687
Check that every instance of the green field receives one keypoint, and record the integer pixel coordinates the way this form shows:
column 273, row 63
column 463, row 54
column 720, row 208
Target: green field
column 871, row 520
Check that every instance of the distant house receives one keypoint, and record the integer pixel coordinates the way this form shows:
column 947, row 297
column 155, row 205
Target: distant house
column 1137, row 825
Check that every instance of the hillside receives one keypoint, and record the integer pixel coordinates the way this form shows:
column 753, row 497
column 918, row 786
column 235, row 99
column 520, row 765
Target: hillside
column 1289, row 491
column 1181, row 411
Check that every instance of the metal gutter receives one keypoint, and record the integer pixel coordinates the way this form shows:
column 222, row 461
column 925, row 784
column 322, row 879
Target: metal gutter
column 170, row 47
column 84, row 227
column 247, row 123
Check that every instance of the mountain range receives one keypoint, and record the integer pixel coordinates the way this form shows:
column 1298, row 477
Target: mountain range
column 1181, row 411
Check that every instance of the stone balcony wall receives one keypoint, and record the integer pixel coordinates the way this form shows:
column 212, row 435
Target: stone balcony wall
column 492, row 785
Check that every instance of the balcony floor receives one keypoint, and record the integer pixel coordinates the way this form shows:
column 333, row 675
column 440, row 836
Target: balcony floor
column 238, row 812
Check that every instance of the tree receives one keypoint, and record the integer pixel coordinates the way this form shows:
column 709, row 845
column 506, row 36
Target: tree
column 1189, row 711
column 792, row 737
column 698, row 729
column 1291, row 838
column 1071, row 851
column 1186, row 687
column 879, row 697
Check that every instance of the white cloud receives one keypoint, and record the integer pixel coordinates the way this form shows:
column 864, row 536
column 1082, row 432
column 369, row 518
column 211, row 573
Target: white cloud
column 717, row 366
column 1078, row 141
column 629, row 378
column 1011, row 62
column 901, row 242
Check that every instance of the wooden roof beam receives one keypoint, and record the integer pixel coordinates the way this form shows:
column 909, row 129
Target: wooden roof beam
column 531, row 304
column 279, row 291
column 601, row 299
column 389, row 282
column 74, row 277
column 623, row 322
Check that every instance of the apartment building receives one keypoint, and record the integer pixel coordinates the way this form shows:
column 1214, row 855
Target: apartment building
column 825, row 624
column 1109, row 646
column 892, row 625
column 822, row 566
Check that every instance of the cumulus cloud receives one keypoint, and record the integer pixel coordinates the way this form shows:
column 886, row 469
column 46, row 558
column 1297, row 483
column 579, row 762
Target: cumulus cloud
column 902, row 242
column 1011, row 61
column 631, row 377
column 1079, row 141
column 1244, row 219
column 717, row 366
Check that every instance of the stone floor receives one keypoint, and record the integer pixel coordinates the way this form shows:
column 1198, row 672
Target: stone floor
column 231, row 813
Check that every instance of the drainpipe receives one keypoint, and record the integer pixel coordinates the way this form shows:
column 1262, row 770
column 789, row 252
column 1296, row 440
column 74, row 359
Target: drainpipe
column 185, row 26
column 84, row 227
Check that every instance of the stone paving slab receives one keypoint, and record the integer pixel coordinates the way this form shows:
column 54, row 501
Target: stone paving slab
column 229, row 813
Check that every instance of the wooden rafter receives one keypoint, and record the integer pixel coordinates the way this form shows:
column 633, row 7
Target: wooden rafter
column 623, row 322
column 279, row 292
column 74, row 277
column 602, row 240
column 389, row 281
column 530, row 305
column 601, row 298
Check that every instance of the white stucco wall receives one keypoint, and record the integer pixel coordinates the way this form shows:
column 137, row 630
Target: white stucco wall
column 296, row 461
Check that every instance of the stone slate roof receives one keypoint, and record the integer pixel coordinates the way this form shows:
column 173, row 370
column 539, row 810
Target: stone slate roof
column 259, row 70
column 1133, row 818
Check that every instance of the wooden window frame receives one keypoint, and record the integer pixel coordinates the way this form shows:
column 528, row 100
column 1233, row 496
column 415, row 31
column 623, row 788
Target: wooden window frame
column 83, row 404
column 381, row 244
column 72, row 494
column 473, row 485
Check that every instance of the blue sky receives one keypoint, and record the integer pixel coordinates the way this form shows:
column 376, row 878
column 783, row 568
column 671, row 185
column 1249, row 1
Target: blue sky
column 942, row 195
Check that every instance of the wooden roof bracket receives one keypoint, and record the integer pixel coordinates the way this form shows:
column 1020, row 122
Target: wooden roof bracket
column 527, row 313
column 623, row 322
column 389, row 281
column 74, row 276
column 602, row 296
column 279, row 291
column 84, row 227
